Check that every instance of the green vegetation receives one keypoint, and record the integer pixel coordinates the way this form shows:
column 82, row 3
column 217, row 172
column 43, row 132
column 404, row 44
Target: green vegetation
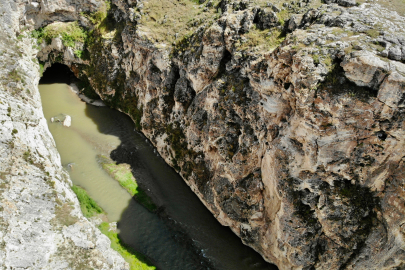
column 41, row 69
column 87, row 204
column 333, row 86
column 90, row 208
column 262, row 40
column 105, row 24
column 136, row 260
column 69, row 32
column 283, row 16
column 374, row 33
column 14, row 75
column 78, row 53
column 167, row 21
column 27, row 157
column 109, row 28
column 315, row 57
column 122, row 173
column 97, row 17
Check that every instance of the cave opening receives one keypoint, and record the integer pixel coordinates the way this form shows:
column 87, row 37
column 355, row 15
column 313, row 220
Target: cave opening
column 58, row 73
column 61, row 73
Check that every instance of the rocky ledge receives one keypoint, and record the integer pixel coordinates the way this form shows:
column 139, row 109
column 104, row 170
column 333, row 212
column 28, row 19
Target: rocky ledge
column 286, row 119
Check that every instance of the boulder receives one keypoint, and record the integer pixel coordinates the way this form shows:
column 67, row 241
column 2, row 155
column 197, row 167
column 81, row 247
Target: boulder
column 67, row 122
column 365, row 69
column 65, row 119
column 392, row 90
column 266, row 18
column 395, row 53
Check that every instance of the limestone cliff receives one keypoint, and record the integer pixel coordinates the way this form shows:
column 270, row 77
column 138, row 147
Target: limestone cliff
column 286, row 119
column 41, row 224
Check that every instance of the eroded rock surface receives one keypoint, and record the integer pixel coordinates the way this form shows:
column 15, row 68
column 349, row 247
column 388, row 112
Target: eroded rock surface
column 296, row 142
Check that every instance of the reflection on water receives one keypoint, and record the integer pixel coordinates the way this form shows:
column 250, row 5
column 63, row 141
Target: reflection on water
column 184, row 235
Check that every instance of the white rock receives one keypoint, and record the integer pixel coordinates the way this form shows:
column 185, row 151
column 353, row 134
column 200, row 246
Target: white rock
column 67, row 122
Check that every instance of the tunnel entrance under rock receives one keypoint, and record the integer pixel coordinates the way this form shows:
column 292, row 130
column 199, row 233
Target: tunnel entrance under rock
column 58, row 73
column 61, row 73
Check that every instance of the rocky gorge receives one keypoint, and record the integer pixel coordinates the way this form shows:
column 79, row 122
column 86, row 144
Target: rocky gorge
column 286, row 119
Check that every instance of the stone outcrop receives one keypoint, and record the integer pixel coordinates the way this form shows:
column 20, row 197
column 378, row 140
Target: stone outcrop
column 41, row 224
column 295, row 142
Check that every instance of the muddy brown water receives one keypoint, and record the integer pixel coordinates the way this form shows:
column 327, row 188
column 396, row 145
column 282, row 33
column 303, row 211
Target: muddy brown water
column 183, row 234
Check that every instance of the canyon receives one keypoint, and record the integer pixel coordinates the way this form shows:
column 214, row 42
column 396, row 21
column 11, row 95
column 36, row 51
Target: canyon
column 286, row 120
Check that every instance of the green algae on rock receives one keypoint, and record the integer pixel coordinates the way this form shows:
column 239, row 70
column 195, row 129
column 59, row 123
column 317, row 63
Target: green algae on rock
column 90, row 209
column 123, row 174
column 136, row 260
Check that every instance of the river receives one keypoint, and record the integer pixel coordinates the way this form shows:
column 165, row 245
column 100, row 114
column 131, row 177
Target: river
column 183, row 234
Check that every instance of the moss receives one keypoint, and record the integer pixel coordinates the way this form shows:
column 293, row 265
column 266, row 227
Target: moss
column 88, row 206
column 123, row 174
column 98, row 16
column 136, row 260
column 78, row 53
column 109, row 28
column 41, row 69
column 69, row 32
column 283, row 16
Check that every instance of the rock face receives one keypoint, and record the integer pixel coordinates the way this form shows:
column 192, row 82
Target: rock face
column 296, row 143
column 41, row 224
